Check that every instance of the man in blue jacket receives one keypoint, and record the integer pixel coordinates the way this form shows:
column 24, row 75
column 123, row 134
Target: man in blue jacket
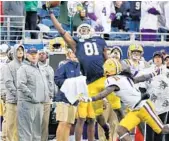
column 66, row 111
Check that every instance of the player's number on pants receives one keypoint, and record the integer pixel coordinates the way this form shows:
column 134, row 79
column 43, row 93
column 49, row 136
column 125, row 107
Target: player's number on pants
column 91, row 49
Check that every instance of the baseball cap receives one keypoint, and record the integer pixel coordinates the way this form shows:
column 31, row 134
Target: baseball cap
column 32, row 50
column 157, row 53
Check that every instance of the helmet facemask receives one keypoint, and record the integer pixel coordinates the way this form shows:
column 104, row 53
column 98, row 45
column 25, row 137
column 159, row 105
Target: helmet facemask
column 135, row 52
column 84, row 31
column 116, row 54
column 136, row 55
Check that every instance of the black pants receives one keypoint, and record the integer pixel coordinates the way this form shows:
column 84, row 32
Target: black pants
column 31, row 23
column 152, row 136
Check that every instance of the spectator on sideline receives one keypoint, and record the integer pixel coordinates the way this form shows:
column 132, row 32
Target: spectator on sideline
column 31, row 17
column 13, row 8
column 43, row 63
column 158, row 89
column 32, row 90
column 66, row 111
column 10, row 78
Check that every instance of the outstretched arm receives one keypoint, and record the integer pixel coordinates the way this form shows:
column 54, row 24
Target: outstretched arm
column 104, row 93
column 67, row 37
column 142, row 78
column 147, row 77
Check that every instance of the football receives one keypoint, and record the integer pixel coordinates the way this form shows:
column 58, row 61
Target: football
column 53, row 4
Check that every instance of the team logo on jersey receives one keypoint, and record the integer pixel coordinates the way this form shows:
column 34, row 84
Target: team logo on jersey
column 166, row 103
column 153, row 98
column 163, row 84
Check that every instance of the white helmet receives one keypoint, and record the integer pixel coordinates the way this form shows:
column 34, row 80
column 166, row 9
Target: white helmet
column 84, row 31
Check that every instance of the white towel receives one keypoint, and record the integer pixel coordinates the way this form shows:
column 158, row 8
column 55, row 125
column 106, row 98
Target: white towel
column 74, row 87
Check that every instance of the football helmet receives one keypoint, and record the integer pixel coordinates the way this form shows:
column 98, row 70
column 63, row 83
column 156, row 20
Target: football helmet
column 116, row 52
column 84, row 31
column 112, row 67
column 135, row 48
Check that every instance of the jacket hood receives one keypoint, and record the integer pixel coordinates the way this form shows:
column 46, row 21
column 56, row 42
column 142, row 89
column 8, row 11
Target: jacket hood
column 16, row 46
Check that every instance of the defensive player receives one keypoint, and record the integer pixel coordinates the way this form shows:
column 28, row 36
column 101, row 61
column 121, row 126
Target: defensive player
column 91, row 53
column 113, row 116
column 141, row 108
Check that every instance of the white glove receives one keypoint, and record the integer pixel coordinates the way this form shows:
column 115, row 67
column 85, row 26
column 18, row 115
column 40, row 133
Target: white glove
column 85, row 99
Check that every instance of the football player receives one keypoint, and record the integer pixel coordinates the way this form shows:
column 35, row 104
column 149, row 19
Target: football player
column 135, row 54
column 141, row 109
column 91, row 53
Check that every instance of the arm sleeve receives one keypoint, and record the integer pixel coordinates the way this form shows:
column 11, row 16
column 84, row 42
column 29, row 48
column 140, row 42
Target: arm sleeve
column 111, row 86
column 22, row 82
column 59, row 77
column 9, row 81
column 104, row 93
column 142, row 78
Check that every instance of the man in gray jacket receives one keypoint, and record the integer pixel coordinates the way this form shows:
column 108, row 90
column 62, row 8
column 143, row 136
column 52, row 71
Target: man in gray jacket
column 32, row 90
column 10, row 79
column 43, row 57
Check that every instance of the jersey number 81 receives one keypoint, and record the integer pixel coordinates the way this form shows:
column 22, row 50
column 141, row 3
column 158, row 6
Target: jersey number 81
column 91, row 49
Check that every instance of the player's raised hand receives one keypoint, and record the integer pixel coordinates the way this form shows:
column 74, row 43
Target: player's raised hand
column 47, row 7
